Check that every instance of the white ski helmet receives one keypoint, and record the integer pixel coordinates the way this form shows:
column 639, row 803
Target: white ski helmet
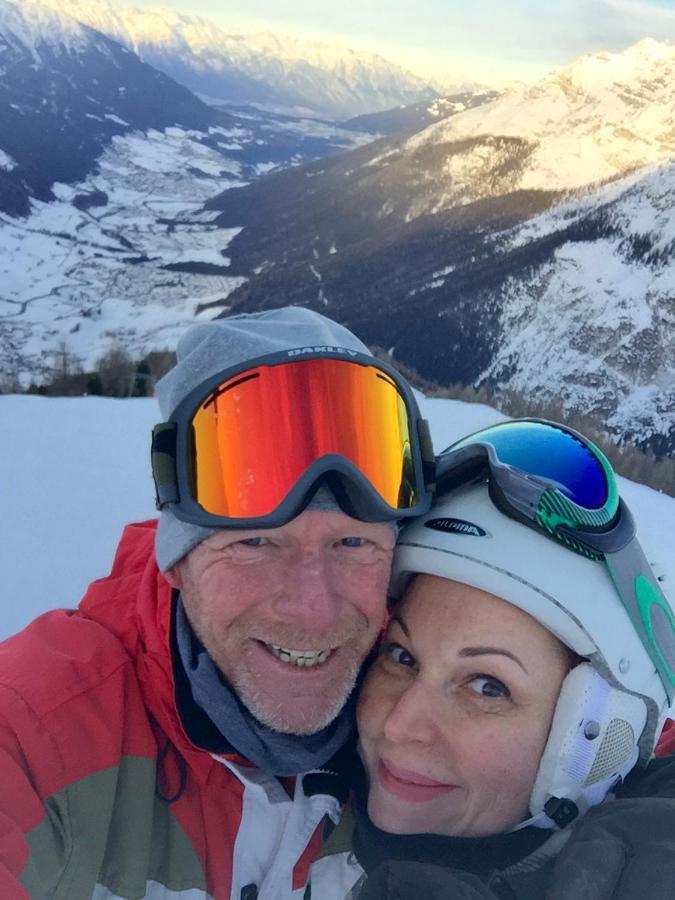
column 613, row 705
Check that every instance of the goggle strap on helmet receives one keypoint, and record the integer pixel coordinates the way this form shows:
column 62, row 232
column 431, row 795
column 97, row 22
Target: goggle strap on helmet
column 427, row 453
column 163, row 461
column 648, row 609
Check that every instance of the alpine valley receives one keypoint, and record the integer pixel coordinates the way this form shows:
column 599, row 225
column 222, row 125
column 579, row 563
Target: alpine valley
column 105, row 164
column 521, row 240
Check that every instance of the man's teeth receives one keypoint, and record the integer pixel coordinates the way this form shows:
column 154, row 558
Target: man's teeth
column 301, row 658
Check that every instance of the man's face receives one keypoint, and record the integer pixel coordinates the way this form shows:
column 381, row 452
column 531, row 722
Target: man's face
column 288, row 614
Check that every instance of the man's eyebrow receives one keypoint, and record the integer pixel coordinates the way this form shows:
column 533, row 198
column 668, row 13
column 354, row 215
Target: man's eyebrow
column 397, row 617
column 485, row 651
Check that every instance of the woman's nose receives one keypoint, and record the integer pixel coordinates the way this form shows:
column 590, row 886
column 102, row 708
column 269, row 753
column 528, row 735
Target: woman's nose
column 411, row 717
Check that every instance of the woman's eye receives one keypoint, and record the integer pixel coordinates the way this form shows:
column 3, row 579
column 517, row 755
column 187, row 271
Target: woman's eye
column 398, row 655
column 487, row 686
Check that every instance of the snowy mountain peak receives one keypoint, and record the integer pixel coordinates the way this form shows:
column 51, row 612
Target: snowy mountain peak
column 650, row 48
column 33, row 24
column 594, row 119
column 259, row 68
column 160, row 26
column 597, row 72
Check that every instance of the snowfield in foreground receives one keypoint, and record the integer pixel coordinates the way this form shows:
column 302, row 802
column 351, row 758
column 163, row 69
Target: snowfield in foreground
column 75, row 470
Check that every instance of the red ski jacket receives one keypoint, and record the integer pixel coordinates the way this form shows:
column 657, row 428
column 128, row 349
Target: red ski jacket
column 102, row 791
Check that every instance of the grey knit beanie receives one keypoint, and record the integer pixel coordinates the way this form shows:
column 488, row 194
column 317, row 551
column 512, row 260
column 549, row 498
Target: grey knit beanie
column 211, row 347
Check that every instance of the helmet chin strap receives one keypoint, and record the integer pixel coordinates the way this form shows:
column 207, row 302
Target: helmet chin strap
column 592, row 745
column 539, row 821
column 563, row 813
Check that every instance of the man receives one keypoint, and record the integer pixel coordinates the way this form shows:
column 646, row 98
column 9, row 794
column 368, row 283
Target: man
column 186, row 732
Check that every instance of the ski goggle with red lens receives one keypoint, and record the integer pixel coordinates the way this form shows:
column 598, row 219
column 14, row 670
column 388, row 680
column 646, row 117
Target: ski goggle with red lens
column 248, row 447
column 553, row 479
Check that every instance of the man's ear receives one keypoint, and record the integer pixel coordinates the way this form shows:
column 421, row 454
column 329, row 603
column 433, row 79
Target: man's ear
column 174, row 577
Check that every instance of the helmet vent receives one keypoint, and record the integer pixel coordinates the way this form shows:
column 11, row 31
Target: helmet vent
column 618, row 746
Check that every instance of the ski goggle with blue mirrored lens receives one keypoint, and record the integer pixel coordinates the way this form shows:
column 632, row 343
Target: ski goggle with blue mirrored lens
column 553, row 479
column 247, row 447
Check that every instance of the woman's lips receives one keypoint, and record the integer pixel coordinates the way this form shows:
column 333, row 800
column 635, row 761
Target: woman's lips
column 409, row 785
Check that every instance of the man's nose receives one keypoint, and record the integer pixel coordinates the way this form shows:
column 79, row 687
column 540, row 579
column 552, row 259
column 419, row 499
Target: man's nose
column 311, row 596
column 411, row 716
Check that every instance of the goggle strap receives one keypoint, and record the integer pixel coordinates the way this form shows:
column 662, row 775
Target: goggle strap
column 597, row 544
column 648, row 608
column 163, row 461
column 427, row 452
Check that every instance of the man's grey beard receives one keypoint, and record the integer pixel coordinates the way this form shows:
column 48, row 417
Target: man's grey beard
column 258, row 705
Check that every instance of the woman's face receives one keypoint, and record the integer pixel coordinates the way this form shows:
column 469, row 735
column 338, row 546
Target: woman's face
column 455, row 712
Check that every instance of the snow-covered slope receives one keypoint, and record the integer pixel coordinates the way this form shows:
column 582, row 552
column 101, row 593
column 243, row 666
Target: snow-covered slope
column 43, row 28
column 104, row 165
column 65, row 92
column 105, row 263
column 264, row 68
column 416, row 116
column 593, row 324
column 594, row 119
column 127, row 256
column 65, row 510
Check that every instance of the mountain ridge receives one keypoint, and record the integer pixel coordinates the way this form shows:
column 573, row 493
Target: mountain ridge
column 260, row 68
column 592, row 119
column 105, row 163
column 66, row 91
column 467, row 254
column 440, row 246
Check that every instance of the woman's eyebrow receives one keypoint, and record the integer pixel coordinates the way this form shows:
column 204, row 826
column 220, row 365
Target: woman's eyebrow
column 484, row 651
column 397, row 617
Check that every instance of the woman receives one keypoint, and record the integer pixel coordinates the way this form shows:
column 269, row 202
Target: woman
column 514, row 691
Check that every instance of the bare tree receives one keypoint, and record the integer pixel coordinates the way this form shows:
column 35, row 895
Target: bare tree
column 66, row 371
column 10, row 384
column 159, row 362
column 117, row 371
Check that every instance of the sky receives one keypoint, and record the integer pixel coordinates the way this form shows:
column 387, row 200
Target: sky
column 495, row 42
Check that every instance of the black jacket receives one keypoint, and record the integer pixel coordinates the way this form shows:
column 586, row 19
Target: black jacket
column 623, row 849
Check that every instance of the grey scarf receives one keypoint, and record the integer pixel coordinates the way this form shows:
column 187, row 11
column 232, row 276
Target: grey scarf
column 277, row 753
